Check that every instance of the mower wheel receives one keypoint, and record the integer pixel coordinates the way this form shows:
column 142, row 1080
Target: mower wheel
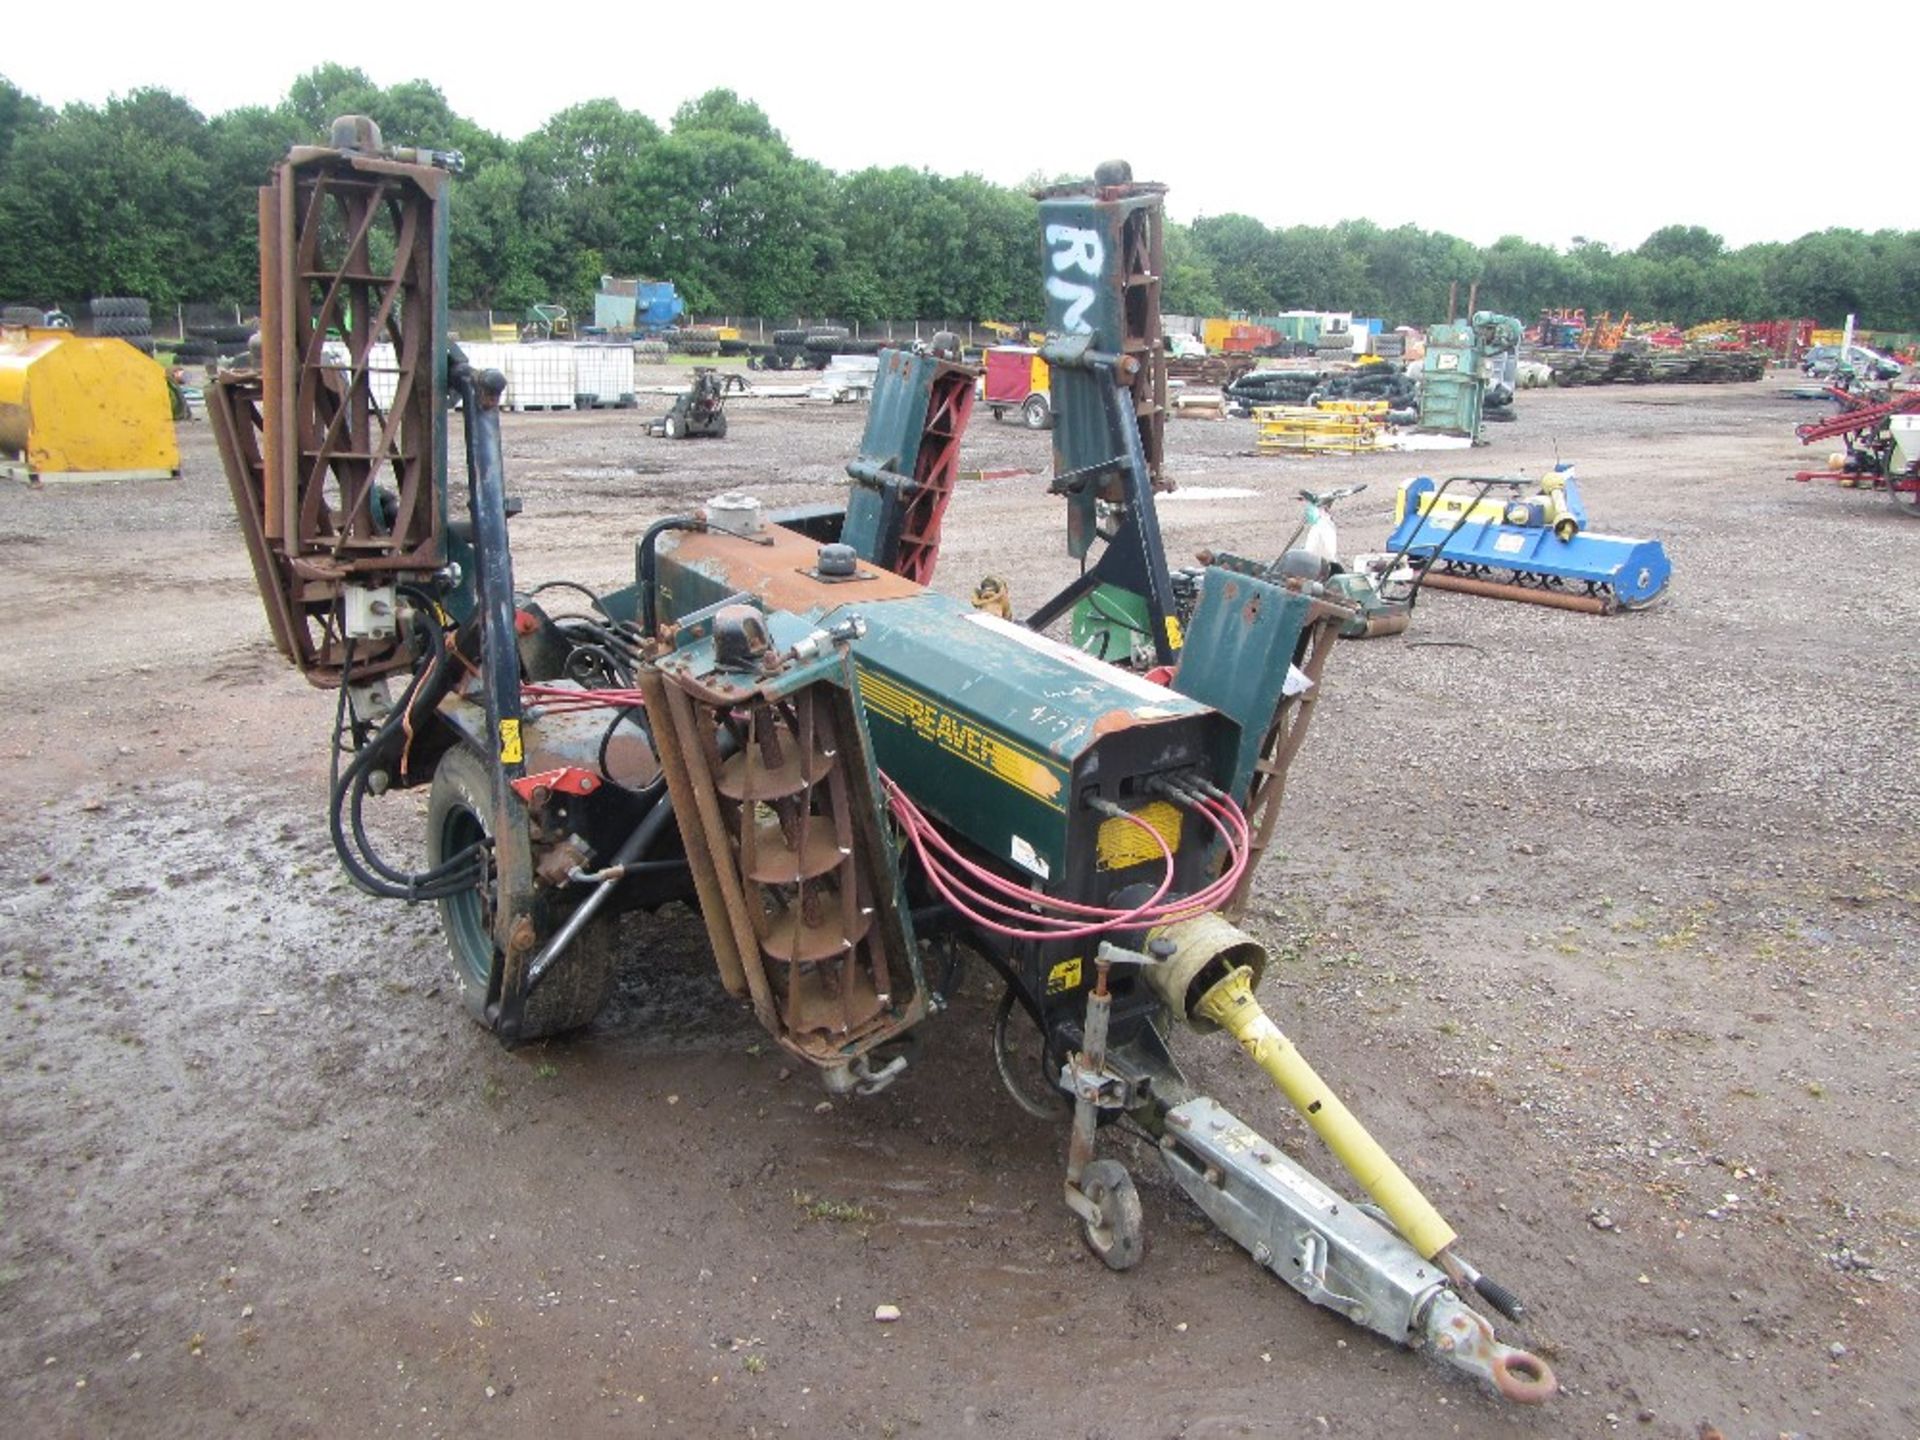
column 572, row 992
column 670, row 427
column 1120, row 1238
column 1037, row 412
column 719, row 430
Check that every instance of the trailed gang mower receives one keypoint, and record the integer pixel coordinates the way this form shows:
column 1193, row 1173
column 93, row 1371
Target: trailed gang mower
column 855, row 780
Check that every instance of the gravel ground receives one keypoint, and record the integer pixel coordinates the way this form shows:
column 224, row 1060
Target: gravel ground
column 1609, row 927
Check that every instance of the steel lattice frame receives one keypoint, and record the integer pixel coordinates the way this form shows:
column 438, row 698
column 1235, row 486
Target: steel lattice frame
column 349, row 259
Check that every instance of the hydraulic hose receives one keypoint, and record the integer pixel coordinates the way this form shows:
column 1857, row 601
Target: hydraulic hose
column 648, row 541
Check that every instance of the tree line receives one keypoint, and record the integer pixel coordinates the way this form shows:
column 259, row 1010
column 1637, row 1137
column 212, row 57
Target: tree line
column 145, row 196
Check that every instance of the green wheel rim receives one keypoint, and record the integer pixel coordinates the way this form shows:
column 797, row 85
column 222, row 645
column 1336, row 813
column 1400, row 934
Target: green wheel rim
column 469, row 915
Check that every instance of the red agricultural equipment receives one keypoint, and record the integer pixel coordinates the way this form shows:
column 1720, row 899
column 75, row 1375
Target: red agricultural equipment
column 1785, row 340
column 1559, row 329
column 1882, row 445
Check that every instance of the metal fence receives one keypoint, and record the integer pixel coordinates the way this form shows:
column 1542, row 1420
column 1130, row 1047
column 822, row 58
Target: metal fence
column 177, row 322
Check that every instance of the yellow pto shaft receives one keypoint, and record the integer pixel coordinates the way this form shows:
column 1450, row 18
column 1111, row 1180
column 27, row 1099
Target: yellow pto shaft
column 1231, row 1005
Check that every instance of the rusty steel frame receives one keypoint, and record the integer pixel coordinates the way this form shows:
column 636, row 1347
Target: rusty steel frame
column 787, row 858
column 1268, row 788
column 1143, row 260
column 949, row 408
column 332, row 444
column 332, row 487
column 302, row 613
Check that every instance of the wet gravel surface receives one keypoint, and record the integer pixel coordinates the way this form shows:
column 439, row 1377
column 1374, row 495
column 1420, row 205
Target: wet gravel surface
column 1609, row 927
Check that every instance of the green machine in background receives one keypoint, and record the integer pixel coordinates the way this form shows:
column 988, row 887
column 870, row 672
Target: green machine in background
column 1456, row 377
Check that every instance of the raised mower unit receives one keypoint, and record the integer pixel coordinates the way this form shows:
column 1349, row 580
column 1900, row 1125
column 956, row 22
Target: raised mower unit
column 857, row 781
column 1508, row 538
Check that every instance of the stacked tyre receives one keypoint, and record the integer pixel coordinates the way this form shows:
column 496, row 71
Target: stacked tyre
column 123, row 317
column 789, row 350
column 843, row 344
column 651, row 352
column 821, row 344
column 210, row 344
column 701, row 340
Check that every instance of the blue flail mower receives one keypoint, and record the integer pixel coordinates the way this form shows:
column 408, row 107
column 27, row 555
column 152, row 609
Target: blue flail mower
column 1517, row 539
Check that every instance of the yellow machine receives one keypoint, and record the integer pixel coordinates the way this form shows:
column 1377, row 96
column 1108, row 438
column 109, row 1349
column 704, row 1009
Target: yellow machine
column 1333, row 427
column 74, row 408
column 1546, row 508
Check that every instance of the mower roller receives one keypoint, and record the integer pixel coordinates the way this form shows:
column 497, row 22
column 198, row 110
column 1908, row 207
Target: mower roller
column 859, row 783
column 1518, row 539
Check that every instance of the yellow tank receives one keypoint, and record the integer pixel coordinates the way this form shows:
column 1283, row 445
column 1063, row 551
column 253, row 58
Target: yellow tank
column 74, row 408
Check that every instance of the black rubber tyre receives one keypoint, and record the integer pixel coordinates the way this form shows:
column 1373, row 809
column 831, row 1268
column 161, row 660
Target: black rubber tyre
column 126, row 327
column 720, row 426
column 142, row 343
column 23, row 315
column 701, row 347
column 1036, row 412
column 119, row 307
column 791, row 339
column 674, row 340
column 827, row 332
column 702, row 332
column 650, row 350
column 735, row 347
column 568, row 996
column 1120, row 1237
column 222, row 334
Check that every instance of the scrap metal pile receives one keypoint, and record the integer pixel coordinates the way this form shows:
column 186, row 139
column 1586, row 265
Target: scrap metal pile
column 1635, row 362
column 861, row 784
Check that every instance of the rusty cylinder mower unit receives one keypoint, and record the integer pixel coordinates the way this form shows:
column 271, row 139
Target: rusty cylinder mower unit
column 855, row 780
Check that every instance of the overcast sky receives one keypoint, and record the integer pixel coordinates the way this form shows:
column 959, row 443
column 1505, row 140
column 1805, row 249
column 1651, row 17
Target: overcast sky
column 1595, row 118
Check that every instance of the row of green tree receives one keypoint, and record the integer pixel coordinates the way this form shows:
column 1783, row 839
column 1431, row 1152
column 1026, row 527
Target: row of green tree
column 145, row 196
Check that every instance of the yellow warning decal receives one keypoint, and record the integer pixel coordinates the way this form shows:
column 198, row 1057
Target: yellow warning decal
column 1174, row 638
column 510, row 751
column 1119, row 844
column 960, row 737
column 1064, row 976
